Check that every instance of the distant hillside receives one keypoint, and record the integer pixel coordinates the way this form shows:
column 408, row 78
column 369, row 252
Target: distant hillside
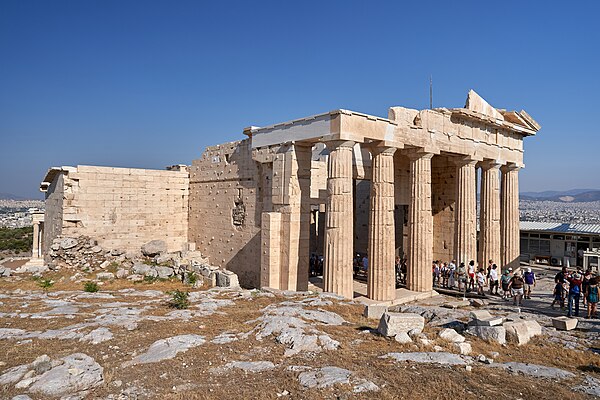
column 568, row 196
column 8, row 196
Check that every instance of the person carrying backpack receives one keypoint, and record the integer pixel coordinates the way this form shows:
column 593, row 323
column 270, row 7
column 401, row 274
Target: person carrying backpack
column 591, row 295
column 516, row 286
column 574, row 293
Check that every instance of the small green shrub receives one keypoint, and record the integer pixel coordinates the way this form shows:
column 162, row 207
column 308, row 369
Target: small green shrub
column 45, row 284
column 90, row 287
column 179, row 300
column 192, row 278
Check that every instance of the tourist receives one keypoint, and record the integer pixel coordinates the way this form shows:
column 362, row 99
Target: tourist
column 529, row 278
column 561, row 275
column 365, row 263
column 452, row 274
column 574, row 293
column 516, row 285
column 489, row 270
column 591, row 295
column 480, row 281
column 397, row 267
column 584, row 284
column 471, row 275
column 494, row 279
column 444, row 275
column 505, row 281
column 435, row 271
column 559, row 295
column 461, row 273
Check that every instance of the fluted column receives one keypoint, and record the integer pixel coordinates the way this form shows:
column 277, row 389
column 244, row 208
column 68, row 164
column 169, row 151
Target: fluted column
column 465, row 243
column 337, row 274
column 509, row 216
column 420, row 221
column 381, row 284
column 489, row 214
column 35, row 250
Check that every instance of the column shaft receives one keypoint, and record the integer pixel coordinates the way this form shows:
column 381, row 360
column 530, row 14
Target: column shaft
column 337, row 274
column 465, row 243
column 35, row 252
column 489, row 214
column 509, row 217
column 420, row 221
column 381, row 283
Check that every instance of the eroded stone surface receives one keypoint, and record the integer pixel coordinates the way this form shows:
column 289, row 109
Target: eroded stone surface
column 165, row 349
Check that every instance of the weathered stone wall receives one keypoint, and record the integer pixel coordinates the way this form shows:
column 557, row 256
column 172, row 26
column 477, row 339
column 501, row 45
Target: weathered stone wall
column 226, row 202
column 53, row 215
column 122, row 208
column 443, row 195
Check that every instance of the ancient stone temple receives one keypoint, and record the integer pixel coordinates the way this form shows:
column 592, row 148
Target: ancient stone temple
column 341, row 183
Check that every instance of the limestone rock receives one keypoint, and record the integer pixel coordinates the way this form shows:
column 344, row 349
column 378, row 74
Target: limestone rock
column 122, row 273
column 589, row 386
column 251, row 366
column 564, row 323
column 428, row 358
column 154, row 248
column 403, row 338
column 374, row 311
column 451, row 335
column 392, row 323
column 496, row 334
column 76, row 373
column 98, row 335
column 324, row 377
column 164, row 272
column 5, row 271
column 167, row 348
column 227, row 278
column 141, row 269
column 538, row 371
column 105, row 276
column 68, row 243
column 463, row 348
column 520, row 332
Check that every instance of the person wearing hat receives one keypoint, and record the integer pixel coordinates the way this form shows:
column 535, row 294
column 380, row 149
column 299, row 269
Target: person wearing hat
column 591, row 294
column 516, row 287
column 575, row 281
column 529, row 278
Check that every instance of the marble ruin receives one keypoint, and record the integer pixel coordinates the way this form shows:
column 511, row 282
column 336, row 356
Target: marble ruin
column 333, row 184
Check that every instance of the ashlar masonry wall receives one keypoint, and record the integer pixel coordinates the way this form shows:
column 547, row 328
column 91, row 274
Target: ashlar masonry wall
column 122, row 208
column 226, row 202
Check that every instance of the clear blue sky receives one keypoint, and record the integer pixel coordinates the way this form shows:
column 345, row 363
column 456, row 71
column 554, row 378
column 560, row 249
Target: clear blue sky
column 151, row 83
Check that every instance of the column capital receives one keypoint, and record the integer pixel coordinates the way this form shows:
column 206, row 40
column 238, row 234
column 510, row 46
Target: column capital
column 419, row 152
column 465, row 160
column 334, row 144
column 490, row 164
column 511, row 167
column 377, row 149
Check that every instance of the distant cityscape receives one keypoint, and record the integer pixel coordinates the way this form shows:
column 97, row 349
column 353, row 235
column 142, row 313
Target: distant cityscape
column 15, row 213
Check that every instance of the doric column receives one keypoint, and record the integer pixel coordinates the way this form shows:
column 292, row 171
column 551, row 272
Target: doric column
column 489, row 214
column 509, row 216
column 337, row 274
column 420, row 221
column 381, row 283
column 35, row 250
column 465, row 242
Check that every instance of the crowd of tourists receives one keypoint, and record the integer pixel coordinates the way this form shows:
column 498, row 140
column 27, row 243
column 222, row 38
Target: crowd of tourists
column 572, row 287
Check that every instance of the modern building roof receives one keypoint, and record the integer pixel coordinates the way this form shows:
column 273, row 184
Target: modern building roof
column 557, row 227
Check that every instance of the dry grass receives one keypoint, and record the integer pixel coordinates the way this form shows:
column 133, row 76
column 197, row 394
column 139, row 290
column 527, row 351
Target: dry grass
column 358, row 352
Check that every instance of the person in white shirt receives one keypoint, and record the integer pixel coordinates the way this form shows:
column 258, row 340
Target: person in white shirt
column 452, row 273
column 494, row 279
column 480, row 281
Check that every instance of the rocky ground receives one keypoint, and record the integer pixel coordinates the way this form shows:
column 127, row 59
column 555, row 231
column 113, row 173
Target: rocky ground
column 127, row 343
